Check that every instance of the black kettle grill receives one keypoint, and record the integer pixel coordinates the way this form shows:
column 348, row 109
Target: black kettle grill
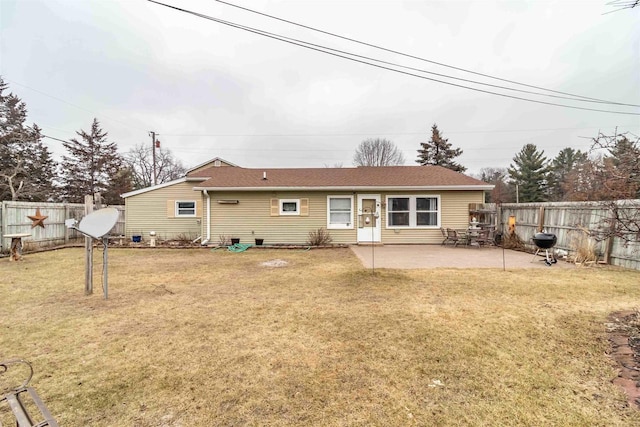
column 545, row 241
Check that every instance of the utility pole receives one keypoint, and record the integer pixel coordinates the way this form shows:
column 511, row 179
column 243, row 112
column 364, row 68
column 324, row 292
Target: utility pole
column 154, row 179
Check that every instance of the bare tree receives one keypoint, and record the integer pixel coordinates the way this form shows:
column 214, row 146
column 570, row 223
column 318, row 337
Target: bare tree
column 502, row 192
column 12, row 179
column 619, row 177
column 378, row 152
column 140, row 160
column 621, row 163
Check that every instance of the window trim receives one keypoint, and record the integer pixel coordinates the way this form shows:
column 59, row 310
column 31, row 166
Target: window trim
column 413, row 212
column 182, row 215
column 348, row 226
column 281, row 203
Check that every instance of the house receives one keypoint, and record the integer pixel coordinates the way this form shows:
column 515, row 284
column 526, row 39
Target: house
column 390, row 205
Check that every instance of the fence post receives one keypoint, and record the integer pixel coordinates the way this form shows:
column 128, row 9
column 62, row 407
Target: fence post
column 608, row 246
column 541, row 219
column 3, row 220
column 66, row 230
column 88, row 245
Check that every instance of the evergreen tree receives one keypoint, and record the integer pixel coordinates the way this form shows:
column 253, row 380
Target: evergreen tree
column 91, row 166
column 27, row 170
column 625, row 166
column 438, row 151
column 121, row 182
column 561, row 167
column 530, row 173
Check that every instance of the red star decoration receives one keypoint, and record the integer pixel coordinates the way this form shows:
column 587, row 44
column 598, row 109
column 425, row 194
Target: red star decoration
column 38, row 219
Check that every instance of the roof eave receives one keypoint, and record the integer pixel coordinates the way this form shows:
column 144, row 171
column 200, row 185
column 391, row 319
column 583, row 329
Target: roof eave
column 163, row 185
column 354, row 188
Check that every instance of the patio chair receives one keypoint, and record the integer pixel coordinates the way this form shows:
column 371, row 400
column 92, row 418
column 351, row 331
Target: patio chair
column 444, row 236
column 452, row 236
column 483, row 238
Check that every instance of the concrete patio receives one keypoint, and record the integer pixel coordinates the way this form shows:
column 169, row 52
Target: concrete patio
column 437, row 256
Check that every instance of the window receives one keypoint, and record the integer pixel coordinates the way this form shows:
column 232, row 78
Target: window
column 399, row 211
column 289, row 206
column 185, row 208
column 426, row 211
column 339, row 212
column 413, row 211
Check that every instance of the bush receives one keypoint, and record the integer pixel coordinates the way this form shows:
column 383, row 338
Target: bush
column 319, row 237
column 583, row 246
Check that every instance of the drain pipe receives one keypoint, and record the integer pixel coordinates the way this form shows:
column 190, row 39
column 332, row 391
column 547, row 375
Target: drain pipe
column 205, row 241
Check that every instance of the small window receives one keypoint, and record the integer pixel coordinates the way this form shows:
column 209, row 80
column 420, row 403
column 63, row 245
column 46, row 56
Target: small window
column 289, row 206
column 339, row 212
column 185, row 208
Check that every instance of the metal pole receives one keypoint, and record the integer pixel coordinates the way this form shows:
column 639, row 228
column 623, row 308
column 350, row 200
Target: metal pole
column 88, row 246
column 154, row 178
column 105, row 266
column 373, row 259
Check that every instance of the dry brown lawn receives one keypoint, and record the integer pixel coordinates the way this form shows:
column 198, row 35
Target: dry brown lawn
column 195, row 338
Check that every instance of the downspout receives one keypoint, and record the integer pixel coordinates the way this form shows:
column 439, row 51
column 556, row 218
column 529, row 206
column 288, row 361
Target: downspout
column 205, row 241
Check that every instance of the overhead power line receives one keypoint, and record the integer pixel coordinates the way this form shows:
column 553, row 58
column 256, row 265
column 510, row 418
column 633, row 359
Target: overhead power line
column 622, row 4
column 322, row 50
column 429, row 60
column 298, row 41
column 307, row 135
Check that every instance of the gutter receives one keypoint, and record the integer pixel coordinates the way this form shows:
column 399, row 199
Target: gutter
column 205, row 241
column 357, row 188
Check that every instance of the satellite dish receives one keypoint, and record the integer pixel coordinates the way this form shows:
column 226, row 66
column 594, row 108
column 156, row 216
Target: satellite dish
column 99, row 223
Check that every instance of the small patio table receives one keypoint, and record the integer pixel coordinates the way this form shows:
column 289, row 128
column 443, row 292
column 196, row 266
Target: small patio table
column 16, row 245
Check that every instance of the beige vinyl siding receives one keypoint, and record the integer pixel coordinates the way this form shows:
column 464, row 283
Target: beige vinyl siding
column 256, row 216
column 152, row 211
column 454, row 213
column 211, row 164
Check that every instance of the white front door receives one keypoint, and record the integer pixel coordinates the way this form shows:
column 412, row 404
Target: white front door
column 369, row 218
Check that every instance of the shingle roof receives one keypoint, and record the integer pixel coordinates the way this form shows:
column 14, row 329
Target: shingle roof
column 378, row 177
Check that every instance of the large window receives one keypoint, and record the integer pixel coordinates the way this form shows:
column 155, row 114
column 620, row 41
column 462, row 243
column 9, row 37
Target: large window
column 185, row 208
column 339, row 212
column 289, row 206
column 413, row 211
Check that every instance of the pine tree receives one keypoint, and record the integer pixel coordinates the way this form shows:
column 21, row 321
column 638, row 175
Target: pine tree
column 561, row 167
column 625, row 160
column 438, row 151
column 91, row 165
column 530, row 173
column 27, row 170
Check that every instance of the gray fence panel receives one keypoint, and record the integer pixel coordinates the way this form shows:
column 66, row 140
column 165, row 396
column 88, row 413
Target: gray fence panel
column 570, row 222
column 14, row 219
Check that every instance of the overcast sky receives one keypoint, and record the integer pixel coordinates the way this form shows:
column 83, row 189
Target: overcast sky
column 210, row 90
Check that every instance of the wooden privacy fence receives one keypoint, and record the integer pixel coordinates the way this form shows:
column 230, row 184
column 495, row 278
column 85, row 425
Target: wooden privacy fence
column 14, row 219
column 571, row 222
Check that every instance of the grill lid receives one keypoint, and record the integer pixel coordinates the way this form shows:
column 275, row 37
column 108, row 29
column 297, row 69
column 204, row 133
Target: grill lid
column 544, row 240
